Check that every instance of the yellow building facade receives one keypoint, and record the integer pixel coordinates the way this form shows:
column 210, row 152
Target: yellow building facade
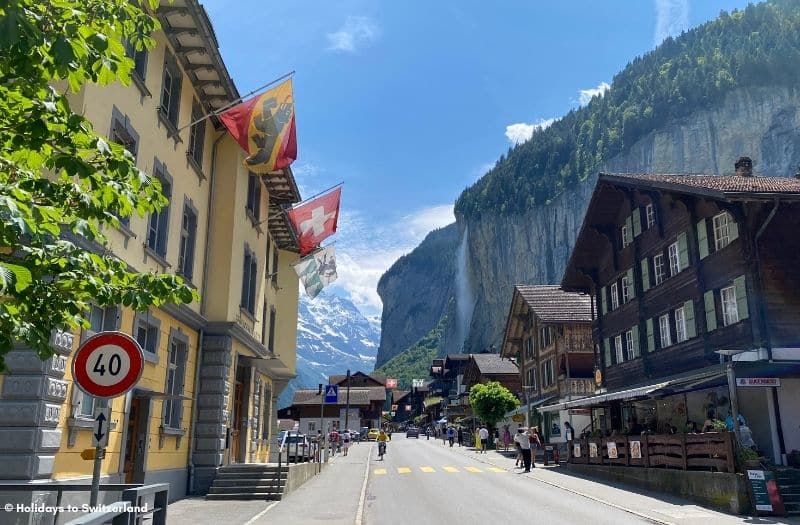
column 214, row 368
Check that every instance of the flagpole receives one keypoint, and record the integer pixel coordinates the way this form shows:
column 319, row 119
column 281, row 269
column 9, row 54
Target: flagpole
column 317, row 195
column 233, row 103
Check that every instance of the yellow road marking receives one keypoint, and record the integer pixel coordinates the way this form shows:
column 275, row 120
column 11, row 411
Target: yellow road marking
column 379, row 471
column 427, row 469
column 403, row 470
column 495, row 469
column 450, row 469
column 472, row 469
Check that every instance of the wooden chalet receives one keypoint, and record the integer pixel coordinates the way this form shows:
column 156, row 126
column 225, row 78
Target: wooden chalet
column 482, row 368
column 366, row 406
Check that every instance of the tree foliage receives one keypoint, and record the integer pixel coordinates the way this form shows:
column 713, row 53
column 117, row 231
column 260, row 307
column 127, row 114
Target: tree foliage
column 59, row 179
column 491, row 401
column 758, row 46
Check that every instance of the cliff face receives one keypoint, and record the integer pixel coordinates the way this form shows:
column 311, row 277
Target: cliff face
column 534, row 246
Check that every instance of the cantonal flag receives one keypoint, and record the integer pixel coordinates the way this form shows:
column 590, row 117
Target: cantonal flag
column 317, row 271
column 315, row 220
column 264, row 127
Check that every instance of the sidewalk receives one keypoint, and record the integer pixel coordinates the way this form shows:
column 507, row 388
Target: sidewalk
column 659, row 507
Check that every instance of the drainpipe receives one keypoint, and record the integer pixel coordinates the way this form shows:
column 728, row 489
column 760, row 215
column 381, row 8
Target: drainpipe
column 761, row 307
column 202, row 332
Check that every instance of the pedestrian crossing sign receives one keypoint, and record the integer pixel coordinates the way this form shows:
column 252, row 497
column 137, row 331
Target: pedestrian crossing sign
column 332, row 394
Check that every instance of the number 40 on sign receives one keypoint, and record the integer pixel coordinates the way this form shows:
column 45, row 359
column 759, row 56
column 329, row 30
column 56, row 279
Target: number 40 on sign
column 108, row 364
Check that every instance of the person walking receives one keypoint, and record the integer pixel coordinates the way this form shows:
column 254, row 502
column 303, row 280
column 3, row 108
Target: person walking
column 506, row 438
column 535, row 444
column 451, row 435
column 345, row 441
column 460, row 436
column 523, row 441
column 483, row 433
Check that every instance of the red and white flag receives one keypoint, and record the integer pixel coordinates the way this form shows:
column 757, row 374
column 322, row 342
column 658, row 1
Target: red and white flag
column 315, row 220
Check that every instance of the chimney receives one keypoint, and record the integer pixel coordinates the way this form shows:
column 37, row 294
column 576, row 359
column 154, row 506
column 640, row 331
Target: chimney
column 744, row 167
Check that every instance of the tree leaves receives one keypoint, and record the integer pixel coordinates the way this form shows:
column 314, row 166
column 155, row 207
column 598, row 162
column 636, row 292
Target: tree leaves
column 491, row 401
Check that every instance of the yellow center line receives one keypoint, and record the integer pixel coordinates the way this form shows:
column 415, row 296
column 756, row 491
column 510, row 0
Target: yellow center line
column 427, row 469
column 403, row 470
column 450, row 469
column 379, row 471
column 473, row 469
column 495, row 469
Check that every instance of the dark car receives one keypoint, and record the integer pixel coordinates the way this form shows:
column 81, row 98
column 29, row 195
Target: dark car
column 412, row 432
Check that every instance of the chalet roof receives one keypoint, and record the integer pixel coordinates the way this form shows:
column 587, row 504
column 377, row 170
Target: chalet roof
column 358, row 396
column 458, row 357
column 397, row 395
column 337, row 379
column 723, row 187
column 552, row 304
column 493, row 364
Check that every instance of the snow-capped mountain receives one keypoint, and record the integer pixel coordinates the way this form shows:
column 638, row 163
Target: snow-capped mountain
column 332, row 336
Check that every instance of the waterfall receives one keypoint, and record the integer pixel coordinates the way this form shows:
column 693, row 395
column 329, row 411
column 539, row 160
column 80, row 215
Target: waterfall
column 465, row 300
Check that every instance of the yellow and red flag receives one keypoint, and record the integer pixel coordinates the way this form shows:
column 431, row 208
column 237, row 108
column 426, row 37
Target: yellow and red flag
column 264, row 127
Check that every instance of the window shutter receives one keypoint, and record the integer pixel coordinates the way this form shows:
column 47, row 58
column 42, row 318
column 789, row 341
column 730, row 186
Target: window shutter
column 651, row 341
column 645, row 275
column 702, row 238
column 688, row 314
column 631, row 284
column 711, row 311
column 629, row 230
column 733, row 229
column 683, row 251
column 635, row 336
column 604, row 300
column 637, row 222
column 741, row 297
column 608, row 352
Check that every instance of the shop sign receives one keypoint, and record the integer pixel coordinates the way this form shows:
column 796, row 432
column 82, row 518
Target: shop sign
column 592, row 450
column 636, row 449
column 580, row 412
column 758, row 381
column 598, row 376
column 612, row 450
column 764, row 489
column 518, row 418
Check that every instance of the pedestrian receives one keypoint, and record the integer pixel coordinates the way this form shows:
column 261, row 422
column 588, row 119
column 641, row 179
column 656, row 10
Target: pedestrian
column 460, row 436
column 523, row 441
column 345, row 441
column 506, row 437
column 569, row 432
column 333, row 438
column 535, row 443
column 483, row 433
column 451, row 435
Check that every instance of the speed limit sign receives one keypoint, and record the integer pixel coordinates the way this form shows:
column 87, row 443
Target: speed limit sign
column 108, row 364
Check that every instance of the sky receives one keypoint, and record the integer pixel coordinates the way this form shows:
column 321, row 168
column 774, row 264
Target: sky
column 407, row 103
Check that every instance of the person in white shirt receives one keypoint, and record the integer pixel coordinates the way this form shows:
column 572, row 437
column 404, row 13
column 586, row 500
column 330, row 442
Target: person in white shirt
column 483, row 433
column 524, row 441
column 346, row 441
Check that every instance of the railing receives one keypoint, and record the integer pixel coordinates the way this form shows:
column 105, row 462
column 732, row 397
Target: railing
column 580, row 386
column 712, row 450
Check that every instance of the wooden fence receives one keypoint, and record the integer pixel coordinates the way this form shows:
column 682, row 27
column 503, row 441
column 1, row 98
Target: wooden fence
column 709, row 451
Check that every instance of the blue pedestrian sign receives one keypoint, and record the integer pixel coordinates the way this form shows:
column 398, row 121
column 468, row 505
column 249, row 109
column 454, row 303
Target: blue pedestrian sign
column 332, row 394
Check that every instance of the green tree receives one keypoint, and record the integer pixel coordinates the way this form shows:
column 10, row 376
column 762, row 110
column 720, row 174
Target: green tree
column 491, row 401
column 59, row 179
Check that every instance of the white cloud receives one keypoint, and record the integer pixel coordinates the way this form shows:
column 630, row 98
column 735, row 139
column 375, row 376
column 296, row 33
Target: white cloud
column 672, row 17
column 355, row 32
column 427, row 219
column 521, row 132
column 587, row 94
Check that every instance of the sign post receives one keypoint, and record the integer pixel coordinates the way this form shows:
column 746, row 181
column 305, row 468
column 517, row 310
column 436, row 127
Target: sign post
column 105, row 366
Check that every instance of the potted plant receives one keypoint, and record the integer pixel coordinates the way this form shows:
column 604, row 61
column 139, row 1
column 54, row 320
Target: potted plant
column 748, row 458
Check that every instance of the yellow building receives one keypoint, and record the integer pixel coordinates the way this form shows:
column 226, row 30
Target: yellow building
column 213, row 369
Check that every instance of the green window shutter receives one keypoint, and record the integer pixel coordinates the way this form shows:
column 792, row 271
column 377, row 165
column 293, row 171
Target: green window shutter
column 733, row 229
column 631, row 283
column 637, row 222
column 645, row 275
column 688, row 313
column 702, row 238
column 683, row 250
column 607, row 352
column 651, row 341
column 741, row 297
column 604, row 300
column 711, row 311
column 635, row 334
column 629, row 236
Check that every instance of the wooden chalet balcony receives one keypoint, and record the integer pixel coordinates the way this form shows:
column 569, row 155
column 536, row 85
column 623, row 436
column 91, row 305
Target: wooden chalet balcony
column 572, row 342
column 580, row 386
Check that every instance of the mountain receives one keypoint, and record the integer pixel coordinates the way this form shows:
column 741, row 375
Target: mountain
column 693, row 105
column 332, row 336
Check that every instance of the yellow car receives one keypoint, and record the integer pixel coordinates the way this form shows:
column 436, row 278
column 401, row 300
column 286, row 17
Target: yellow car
column 373, row 434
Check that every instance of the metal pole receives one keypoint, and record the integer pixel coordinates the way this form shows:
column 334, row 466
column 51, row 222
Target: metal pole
column 734, row 399
column 99, row 454
column 347, row 406
column 321, row 431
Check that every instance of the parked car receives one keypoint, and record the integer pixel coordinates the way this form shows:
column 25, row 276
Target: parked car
column 296, row 446
column 373, row 434
column 412, row 432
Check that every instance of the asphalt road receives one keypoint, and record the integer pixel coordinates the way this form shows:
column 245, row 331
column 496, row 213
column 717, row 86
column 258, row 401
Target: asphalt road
column 423, row 482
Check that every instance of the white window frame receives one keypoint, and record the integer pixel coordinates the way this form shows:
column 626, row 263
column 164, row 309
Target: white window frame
column 722, row 231
column 650, row 212
column 730, row 310
column 674, row 259
column 629, row 345
column 680, row 325
column 618, row 349
column 531, row 378
column 658, row 268
column 663, row 331
column 626, row 289
column 614, row 296
column 624, row 232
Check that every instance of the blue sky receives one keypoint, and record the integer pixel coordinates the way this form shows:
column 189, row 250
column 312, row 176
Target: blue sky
column 409, row 102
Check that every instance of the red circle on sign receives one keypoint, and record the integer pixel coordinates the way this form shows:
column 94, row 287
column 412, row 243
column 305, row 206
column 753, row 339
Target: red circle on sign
column 119, row 340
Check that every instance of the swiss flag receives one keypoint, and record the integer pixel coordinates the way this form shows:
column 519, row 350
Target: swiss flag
column 315, row 220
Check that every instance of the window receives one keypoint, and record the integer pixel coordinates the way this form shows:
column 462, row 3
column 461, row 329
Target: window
column 674, row 259
column 531, row 383
column 528, row 348
column 197, row 136
column 629, row 347
column 170, row 91
column 626, row 289
column 176, row 370
column 124, row 135
column 272, row 321
column 680, row 325
column 663, row 330
column 547, row 373
column 614, row 297
column 545, row 336
column 139, row 58
column 658, row 268
column 275, row 265
column 650, row 212
column 254, row 196
column 146, row 330
column 722, row 233
column 618, row 348
column 730, row 313
column 158, row 227
column 249, row 272
column 188, row 236
column 625, row 235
